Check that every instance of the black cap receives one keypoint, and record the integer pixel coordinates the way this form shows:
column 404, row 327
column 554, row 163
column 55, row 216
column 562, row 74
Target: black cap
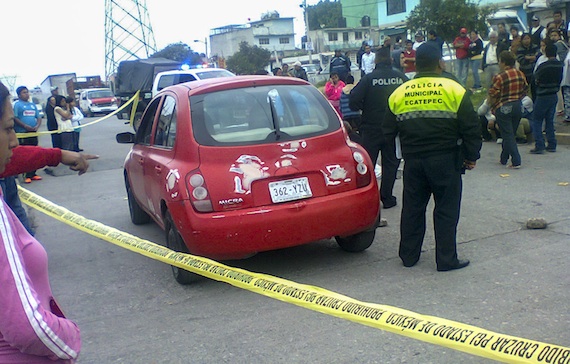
column 427, row 53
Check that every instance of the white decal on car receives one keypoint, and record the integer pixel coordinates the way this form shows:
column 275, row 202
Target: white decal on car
column 250, row 168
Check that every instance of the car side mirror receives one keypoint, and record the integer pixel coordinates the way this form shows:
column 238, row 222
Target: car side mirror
column 125, row 138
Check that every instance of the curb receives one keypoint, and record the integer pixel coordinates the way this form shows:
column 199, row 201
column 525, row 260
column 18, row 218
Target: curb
column 563, row 138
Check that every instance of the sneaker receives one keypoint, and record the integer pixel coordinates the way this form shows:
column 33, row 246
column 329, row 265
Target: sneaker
column 551, row 150
column 512, row 166
column 499, row 140
column 36, row 178
column 28, row 180
column 536, row 151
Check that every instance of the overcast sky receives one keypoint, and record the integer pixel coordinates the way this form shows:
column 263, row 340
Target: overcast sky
column 41, row 38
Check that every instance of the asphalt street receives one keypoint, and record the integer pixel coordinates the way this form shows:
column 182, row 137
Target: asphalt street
column 131, row 310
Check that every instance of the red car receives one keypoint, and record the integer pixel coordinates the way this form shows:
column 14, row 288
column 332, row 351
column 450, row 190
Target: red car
column 234, row 166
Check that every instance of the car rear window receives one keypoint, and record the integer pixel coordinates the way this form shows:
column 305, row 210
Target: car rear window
column 99, row 94
column 203, row 75
column 264, row 114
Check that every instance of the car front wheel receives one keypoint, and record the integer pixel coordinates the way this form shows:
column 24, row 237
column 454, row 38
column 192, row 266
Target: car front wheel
column 175, row 242
column 357, row 242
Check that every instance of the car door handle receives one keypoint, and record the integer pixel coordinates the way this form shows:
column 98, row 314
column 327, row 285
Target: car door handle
column 157, row 169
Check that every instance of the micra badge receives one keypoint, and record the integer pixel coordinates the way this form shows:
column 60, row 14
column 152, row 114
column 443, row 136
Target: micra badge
column 231, row 201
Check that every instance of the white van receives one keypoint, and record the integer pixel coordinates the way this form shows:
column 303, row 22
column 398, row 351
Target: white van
column 169, row 78
column 97, row 101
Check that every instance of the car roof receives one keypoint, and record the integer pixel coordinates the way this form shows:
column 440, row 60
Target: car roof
column 224, row 83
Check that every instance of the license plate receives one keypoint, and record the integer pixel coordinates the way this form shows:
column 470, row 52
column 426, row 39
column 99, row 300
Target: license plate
column 290, row 190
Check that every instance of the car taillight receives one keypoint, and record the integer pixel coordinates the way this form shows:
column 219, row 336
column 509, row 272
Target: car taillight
column 199, row 196
column 363, row 174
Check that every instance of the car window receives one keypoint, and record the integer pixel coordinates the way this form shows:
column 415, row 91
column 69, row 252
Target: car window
column 99, row 94
column 145, row 128
column 263, row 114
column 203, row 75
column 165, row 131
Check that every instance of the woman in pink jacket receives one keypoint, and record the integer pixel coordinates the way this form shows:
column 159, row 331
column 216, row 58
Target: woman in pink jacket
column 32, row 327
column 333, row 91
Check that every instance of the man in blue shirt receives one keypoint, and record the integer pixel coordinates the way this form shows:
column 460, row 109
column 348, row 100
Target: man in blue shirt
column 27, row 120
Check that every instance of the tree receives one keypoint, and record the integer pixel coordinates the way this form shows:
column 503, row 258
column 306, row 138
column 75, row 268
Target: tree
column 326, row 13
column 180, row 52
column 446, row 17
column 248, row 60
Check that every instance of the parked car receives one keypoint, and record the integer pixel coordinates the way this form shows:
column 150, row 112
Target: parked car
column 97, row 101
column 234, row 166
column 169, row 78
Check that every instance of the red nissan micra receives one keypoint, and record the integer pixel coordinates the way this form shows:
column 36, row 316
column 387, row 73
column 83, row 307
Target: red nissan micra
column 234, row 166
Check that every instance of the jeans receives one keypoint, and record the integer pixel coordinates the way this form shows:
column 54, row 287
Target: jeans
column 462, row 70
column 566, row 97
column 509, row 117
column 475, row 65
column 544, row 110
column 10, row 192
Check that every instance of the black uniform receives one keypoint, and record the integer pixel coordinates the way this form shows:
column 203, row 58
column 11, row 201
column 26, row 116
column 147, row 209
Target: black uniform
column 439, row 129
column 371, row 96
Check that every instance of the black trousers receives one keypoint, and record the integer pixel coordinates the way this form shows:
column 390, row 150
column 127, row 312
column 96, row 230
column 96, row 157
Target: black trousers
column 29, row 141
column 375, row 143
column 439, row 176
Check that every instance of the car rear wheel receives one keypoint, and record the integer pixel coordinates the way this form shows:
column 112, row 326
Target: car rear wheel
column 175, row 242
column 138, row 215
column 357, row 242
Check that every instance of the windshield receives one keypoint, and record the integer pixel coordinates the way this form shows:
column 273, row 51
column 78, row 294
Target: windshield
column 99, row 94
column 258, row 115
column 203, row 75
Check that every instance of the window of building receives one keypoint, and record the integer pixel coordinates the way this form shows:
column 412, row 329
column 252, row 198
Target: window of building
column 283, row 40
column 263, row 40
column 357, row 35
column 333, row 37
column 395, row 6
column 345, row 36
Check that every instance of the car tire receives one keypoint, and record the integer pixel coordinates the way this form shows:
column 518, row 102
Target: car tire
column 357, row 242
column 175, row 242
column 138, row 215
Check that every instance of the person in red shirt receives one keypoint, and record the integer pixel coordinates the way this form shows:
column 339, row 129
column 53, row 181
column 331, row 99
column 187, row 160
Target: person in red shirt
column 408, row 60
column 461, row 45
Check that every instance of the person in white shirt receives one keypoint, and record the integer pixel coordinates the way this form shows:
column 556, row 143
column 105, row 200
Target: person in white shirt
column 419, row 40
column 491, row 57
column 368, row 61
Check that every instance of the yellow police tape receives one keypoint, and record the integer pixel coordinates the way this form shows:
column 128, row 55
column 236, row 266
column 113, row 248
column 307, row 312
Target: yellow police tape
column 133, row 100
column 435, row 330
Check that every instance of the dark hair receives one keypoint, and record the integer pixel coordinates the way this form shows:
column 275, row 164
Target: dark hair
column 333, row 74
column 514, row 27
column 409, row 41
column 69, row 99
column 383, row 56
column 475, row 31
column 20, row 89
column 557, row 12
column 507, row 58
column 4, row 94
column 432, row 32
column 554, row 30
column 275, row 70
column 550, row 50
column 349, row 79
column 398, row 39
column 501, row 23
column 526, row 35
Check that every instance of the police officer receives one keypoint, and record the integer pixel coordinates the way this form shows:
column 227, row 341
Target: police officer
column 440, row 137
column 371, row 96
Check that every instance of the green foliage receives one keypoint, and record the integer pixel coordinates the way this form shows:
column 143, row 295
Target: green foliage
column 180, row 52
column 248, row 60
column 446, row 17
column 327, row 13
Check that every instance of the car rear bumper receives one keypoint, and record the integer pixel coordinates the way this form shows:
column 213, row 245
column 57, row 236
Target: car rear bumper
column 241, row 233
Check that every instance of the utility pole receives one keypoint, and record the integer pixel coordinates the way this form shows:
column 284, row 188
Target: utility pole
column 308, row 43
